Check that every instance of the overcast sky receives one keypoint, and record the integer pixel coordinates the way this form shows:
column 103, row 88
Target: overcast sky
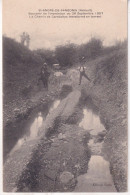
column 51, row 32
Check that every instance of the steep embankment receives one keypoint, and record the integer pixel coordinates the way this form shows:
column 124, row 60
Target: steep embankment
column 20, row 69
column 109, row 93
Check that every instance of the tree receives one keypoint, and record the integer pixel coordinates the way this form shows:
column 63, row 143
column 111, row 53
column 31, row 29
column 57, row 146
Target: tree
column 25, row 39
column 47, row 55
column 66, row 55
column 91, row 49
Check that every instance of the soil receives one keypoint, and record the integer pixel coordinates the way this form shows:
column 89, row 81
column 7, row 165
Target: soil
column 53, row 161
column 56, row 157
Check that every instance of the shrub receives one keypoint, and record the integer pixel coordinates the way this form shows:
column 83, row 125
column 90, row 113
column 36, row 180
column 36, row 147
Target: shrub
column 90, row 50
column 66, row 55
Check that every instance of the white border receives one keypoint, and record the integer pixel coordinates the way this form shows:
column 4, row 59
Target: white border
column 1, row 129
column 1, row 148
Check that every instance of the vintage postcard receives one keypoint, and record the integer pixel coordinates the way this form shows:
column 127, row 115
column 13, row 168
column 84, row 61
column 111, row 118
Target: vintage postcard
column 65, row 96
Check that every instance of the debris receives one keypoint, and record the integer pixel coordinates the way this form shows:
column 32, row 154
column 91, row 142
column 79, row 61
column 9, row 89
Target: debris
column 66, row 177
column 61, row 136
column 51, row 174
column 58, row 74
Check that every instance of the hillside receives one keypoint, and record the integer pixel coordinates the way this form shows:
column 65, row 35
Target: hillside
column 20, row 69
column 110, row 94
column 20, row 72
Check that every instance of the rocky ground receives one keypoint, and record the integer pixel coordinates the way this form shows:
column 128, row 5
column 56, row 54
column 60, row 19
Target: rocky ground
column 66, row 156
column 55, row 146
column 57, row 160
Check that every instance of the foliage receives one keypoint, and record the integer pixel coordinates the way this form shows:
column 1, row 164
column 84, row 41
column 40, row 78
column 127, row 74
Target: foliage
column 47, row 55
column 16, row 52
column 20, row 68
column 66, row 55
column 91, row 49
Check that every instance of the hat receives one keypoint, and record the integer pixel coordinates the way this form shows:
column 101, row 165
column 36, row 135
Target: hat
column 45, row 64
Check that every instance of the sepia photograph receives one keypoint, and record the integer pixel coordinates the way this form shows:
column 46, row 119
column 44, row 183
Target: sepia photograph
column 65, row 88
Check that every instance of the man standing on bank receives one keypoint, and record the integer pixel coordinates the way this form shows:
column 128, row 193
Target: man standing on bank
column 44, row 75
column 82, row 73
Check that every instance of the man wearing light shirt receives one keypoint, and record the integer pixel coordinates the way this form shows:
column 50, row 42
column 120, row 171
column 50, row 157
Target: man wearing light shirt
column 82, row 73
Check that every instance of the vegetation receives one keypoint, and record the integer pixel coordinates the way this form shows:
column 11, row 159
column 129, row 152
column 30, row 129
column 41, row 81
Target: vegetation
column 66, row 55
column 22, row 66
column 107, row 67
column 46, row 55
column 69, row 54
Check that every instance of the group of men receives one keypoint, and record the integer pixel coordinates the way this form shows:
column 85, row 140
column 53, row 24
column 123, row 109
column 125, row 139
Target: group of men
column 44, row 75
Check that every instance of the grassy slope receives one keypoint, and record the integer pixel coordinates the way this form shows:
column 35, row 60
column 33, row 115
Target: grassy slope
column 20, row 69
column 109, row 92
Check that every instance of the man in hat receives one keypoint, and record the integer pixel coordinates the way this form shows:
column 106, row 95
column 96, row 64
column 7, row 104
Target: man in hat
column 44, row 75
column 82, row 73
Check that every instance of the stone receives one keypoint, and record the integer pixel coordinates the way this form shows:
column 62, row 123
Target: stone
column 77, row 166
column 57, row 74
column 14, row 189
column 51, row 174
column 66, row 177
column 55, row 144
column 61, row 136
column 16, row 110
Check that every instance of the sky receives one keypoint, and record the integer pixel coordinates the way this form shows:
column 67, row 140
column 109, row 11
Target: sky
column 48, row 33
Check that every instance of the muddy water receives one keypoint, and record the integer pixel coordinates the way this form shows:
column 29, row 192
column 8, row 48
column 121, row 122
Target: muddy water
column 54, row 106
column 98, row 177
column 91, row 122
column 31, row 133
column 29, row 128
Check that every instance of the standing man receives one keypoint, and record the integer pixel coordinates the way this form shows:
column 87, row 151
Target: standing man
column 44, row 75
column 82, row 73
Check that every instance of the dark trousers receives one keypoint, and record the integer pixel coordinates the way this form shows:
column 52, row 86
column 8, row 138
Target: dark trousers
column 81, row 75
column 44, row 81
